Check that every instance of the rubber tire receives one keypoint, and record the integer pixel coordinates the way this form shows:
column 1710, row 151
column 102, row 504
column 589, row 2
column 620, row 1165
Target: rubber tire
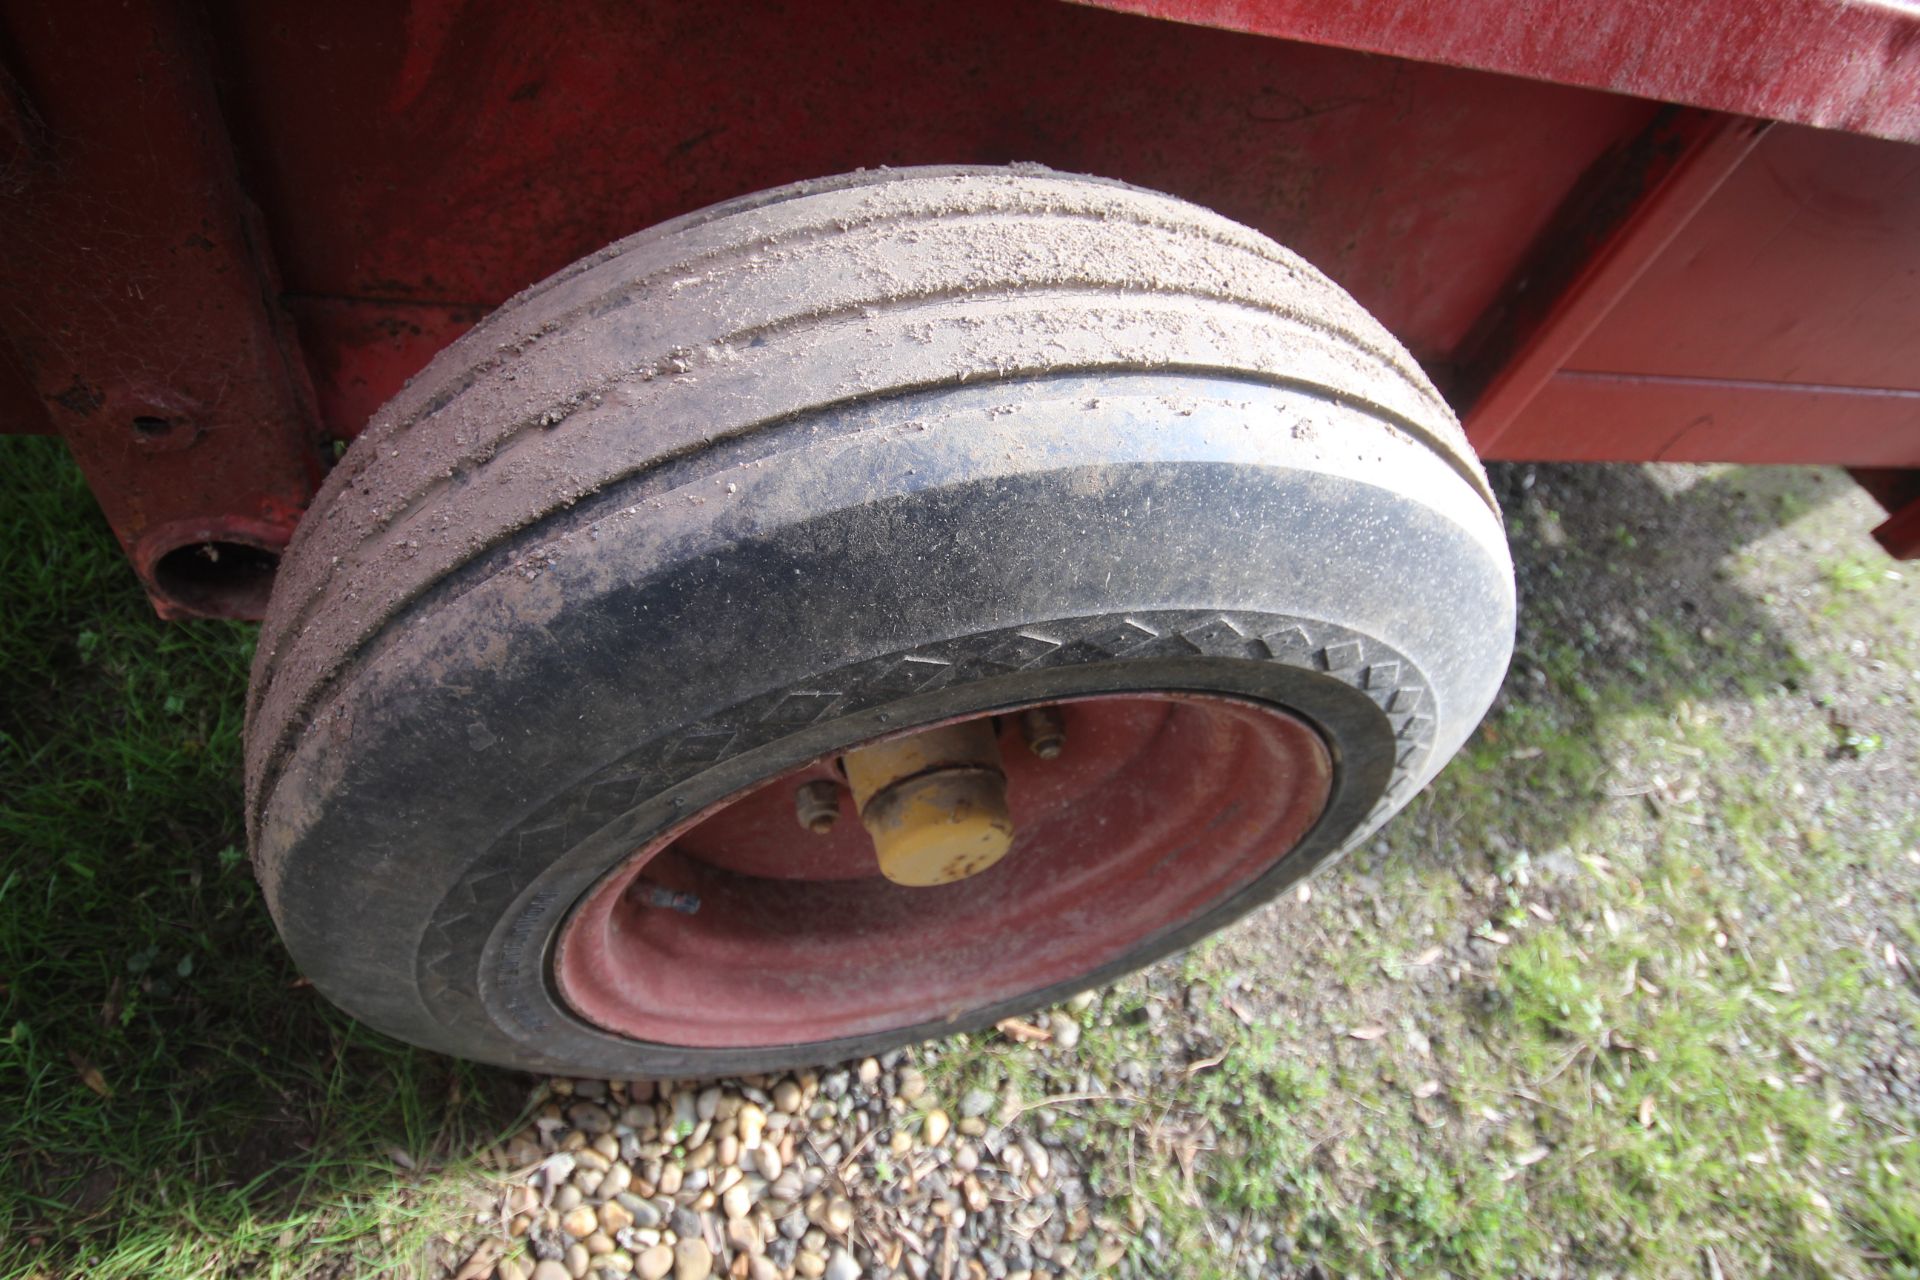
column 1037, row 432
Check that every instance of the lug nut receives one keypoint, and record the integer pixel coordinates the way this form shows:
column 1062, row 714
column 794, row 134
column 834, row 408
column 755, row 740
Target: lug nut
column 817, row 805
column 1045, row 730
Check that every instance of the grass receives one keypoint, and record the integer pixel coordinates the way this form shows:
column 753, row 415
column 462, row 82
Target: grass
column 1647, row 1044
column 175, row 1102
column 1623, row 994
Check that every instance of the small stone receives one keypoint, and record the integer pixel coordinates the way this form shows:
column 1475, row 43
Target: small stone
column 793, row 1226
column 841, row 1266
column 607, row 1146
column 743, row 1236
column 900, row 1143
column 590, row 1118
column 645, row 1215
column 766, row 1162
column 976, row 1195
column 589, row 1180
column 933, row 1130
column 692, row 1260
column 616, row 1264
column 751, row 1123
column 975, row 1102
column 707, row 1104
column 567, row 1198
column 808, row 1263
column 600, row 1244
column 549, row 1269
column 787, row 1097
column 966, row 1157
column 654, row 1264
column 868, row 1071
column 760, row 1267
column 912, row 1084
column 973, row 1126
column 618, row 1179
column 738, row 1200
column 670, row 1179
column 1066, row 1032
column 685, row 1223
column 578, row 1260
column 588, row 1158
column 579, row 1223
column 615, row 1217
column 728, row 1151
column 509, row 1269
column 838, row 1217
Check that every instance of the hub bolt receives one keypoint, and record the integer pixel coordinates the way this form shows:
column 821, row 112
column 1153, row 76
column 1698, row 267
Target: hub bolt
column 817, row 805
column 1045, row 730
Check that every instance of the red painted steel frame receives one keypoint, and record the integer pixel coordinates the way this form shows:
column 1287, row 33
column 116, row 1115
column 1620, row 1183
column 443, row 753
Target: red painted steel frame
column 139, row 299
column 1588, row 275
column 1838, row 64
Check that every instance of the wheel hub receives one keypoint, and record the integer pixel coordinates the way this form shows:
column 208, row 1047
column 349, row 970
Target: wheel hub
column 1163, row 805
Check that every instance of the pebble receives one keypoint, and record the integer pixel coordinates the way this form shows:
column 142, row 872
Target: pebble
column 933, row 1130
column 578, row 1260
column 808, row 1263
column 654, row 1264
column 737, row 1201
column 692, row 1260
column 1066, row 1031
column 912, row 1085
column 579, row 1223
column 618, row 1179
column 548, row 1269
column 787, row 1096
column 743, row 1236
column 751, row 1124
column 841, row 1266
column 975, row 1102
column 509, row 1269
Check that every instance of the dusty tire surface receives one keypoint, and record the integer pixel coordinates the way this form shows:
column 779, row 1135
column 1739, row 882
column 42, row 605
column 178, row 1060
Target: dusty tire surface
column 806, row 467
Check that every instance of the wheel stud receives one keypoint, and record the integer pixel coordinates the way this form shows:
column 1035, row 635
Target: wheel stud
column 817, row 806
column 1045, row 731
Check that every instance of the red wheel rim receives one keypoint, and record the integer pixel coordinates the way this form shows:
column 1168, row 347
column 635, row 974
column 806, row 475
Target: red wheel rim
column 1161, row 806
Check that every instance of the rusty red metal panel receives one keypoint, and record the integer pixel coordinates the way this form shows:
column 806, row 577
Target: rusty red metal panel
column 426, row 162
column 1838, row 64
column 1595, row 417
column 1771, row 318
column 1588, row 261
column 136, row 298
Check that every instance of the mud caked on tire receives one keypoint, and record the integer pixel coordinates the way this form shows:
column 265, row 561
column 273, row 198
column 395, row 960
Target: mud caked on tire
column 676, row 527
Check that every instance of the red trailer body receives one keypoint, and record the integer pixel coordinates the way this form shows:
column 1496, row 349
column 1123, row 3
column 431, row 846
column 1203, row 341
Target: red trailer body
column 1619, row 232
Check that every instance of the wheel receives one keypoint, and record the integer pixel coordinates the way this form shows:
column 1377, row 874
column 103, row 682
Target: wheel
column 858, row 612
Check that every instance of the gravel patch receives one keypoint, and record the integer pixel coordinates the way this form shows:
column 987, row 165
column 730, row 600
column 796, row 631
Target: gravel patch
column 857, row 1170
